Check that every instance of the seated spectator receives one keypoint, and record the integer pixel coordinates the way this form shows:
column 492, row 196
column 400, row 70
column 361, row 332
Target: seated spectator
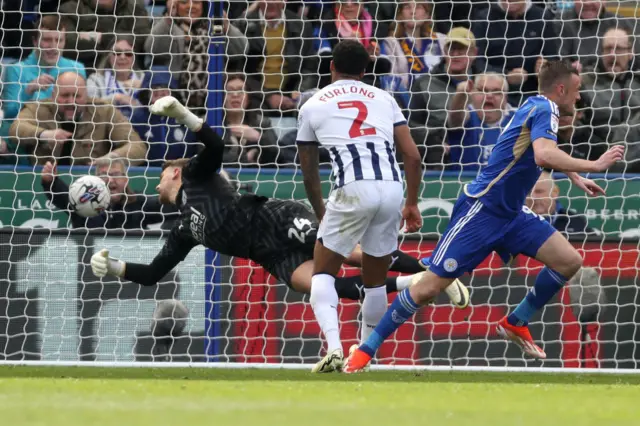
column 167, row 139
column 128, row 210
column 181, row 42
column 281, row 55
column 350, row 19
column 249, row 139
column 116, row 81
column 19, row 18
column 431, row 93
column 236, row 46
column 95, row 23
column 71, row 129
column 513, row 37
column 582, row 28
column 412, row 46
column 33, row 79
column 477, row 114
column 543, row 201
column 574, row 135
column 169, row 42
column 611, row 91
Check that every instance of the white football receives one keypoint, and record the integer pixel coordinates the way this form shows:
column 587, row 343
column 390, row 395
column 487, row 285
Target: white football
column 89, row 196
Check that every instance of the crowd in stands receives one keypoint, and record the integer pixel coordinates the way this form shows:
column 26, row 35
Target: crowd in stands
column 78, row 76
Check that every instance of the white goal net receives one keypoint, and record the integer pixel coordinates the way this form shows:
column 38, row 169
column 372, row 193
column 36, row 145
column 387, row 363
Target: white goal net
column 77, row 79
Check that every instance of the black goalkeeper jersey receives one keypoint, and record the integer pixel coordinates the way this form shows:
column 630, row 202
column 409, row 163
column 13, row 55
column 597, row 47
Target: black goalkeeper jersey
column 212, row 214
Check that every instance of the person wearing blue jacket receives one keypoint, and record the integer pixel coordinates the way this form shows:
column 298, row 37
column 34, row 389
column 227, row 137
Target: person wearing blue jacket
column 167, row 139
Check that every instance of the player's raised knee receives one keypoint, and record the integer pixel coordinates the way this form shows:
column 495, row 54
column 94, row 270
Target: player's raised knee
column 570, row 263
column 426, row 286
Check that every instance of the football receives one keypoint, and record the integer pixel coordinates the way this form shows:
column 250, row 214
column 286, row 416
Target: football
column 89, row 196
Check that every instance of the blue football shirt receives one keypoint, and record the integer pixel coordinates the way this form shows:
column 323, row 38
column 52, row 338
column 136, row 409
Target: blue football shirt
column 511, row 172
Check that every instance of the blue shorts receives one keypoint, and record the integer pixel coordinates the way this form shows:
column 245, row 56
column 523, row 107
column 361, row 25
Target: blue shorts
column 473, row 233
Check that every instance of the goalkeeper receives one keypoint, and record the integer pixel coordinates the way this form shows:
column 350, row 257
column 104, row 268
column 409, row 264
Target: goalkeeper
column 280, row 235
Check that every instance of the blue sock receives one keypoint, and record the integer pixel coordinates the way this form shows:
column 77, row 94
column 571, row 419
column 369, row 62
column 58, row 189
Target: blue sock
column 548, row 283
column 402, row 308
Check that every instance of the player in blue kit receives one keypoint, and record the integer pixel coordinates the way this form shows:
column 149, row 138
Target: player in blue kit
column 490, row 216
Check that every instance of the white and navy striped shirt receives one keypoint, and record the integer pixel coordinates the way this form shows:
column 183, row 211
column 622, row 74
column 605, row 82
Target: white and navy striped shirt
column 355, row 122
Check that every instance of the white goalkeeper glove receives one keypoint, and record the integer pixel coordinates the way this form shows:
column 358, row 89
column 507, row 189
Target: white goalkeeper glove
column 102, row 264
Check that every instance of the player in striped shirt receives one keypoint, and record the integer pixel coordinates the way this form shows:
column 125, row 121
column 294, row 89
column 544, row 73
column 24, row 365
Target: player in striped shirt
column 490, row 216
column 361, row 126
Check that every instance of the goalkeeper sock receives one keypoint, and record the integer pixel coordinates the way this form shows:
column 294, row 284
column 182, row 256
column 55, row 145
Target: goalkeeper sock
column 548, row 283
column 350, row 287
column 402, row 308
column 353, row 289
column 403, row 282
column 374, row 306
column 402, row 262
column 324, row 301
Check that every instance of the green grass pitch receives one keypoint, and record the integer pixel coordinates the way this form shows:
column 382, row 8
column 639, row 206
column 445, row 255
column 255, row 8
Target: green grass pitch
column 70, row 396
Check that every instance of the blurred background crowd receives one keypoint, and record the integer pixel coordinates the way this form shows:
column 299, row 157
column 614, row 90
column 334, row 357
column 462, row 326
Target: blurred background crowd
column 78, row 76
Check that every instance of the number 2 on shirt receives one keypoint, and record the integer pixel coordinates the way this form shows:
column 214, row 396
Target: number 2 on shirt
column 356, row 129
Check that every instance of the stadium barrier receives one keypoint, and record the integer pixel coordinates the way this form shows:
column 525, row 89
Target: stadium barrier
column 52, row 309
column 23, row 204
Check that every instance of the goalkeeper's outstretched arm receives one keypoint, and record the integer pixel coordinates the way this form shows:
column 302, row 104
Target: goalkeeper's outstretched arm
column 175, row 249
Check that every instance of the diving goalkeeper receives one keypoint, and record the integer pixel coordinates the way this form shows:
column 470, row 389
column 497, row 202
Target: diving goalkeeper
column 279, row 235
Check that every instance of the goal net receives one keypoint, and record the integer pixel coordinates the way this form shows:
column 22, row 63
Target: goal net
column 77, row 81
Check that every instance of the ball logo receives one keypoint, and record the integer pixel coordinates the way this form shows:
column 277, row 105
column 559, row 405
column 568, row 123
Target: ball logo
column 450, row 265
column 91, row 194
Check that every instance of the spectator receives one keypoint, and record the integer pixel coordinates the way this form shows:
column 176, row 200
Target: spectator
column 582, row 27
column 72, row 129
column 543, row 201
column 477, row 114
column 412, row 46
column 116, row 80
column 18, row 17
column 181, row 41
column 169, row 42
column 513, row 37
column 430, row 94
column 95, row 23
column 248, row 136
column 573, row 135
column 128, row 210
column 350, row 19
column 611, row 91
column 33, row 78
column 281, row 54
column 167, row 139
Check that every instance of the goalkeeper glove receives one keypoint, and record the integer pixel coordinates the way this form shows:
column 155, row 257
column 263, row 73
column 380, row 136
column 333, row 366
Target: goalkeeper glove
column 102, row 264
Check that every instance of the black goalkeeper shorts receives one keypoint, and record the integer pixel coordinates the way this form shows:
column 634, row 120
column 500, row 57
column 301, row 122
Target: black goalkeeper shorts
column 286, row 233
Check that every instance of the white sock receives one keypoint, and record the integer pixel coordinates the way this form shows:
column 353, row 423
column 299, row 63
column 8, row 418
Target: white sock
column 192, row 121
column 324, row 301
column 374, row 306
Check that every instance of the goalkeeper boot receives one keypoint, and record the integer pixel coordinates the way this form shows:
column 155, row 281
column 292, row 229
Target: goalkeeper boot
column 357, row 362
column 331, row 362
column 521, row 336
column 458, row 294
column 425, row 262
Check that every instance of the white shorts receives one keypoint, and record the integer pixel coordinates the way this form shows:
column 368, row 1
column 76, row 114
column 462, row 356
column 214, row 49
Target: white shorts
column 366, row 212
